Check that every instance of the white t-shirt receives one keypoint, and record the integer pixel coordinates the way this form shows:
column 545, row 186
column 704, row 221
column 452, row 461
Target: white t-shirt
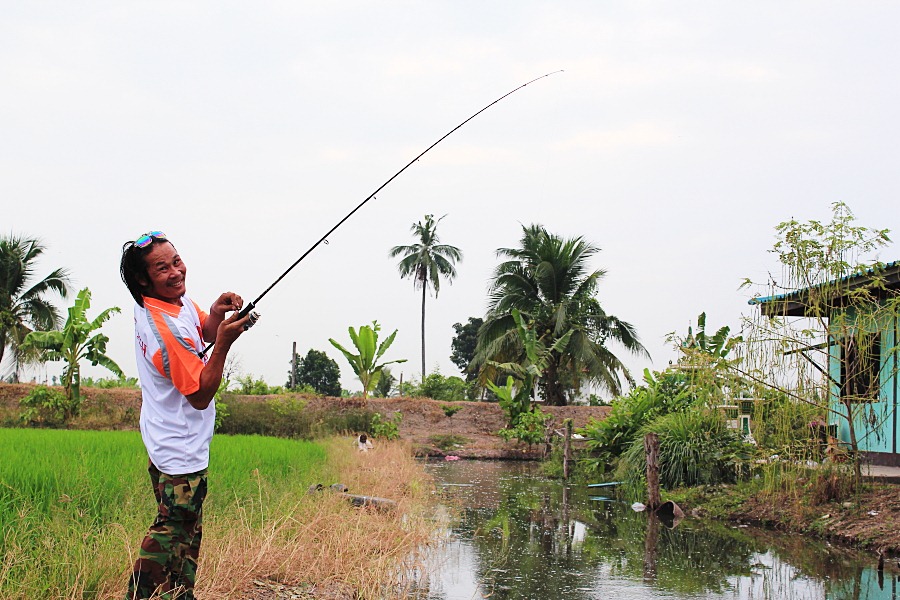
column 168, row 339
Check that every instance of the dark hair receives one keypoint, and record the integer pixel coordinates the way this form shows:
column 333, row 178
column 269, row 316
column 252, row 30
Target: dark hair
column 133, row 266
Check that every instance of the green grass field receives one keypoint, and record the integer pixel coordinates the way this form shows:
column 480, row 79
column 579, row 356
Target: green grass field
column 74, row 505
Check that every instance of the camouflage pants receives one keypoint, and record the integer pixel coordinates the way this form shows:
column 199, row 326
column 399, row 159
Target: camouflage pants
column 167, row 562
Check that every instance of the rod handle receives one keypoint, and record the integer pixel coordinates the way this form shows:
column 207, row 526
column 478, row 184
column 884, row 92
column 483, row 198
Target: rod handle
column 243, row 313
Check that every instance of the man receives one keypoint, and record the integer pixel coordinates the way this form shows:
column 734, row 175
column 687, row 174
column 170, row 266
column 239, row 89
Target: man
column 177, row 409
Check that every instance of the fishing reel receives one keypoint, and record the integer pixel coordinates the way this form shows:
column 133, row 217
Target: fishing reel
column 252, row 318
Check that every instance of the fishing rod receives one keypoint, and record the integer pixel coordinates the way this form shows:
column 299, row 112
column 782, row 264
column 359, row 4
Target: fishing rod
column 249, row 307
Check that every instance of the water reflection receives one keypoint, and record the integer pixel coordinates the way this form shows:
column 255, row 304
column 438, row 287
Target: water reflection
column 516, row 535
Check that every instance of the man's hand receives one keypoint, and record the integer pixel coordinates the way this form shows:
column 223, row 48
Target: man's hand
column 225, row 303
column 227, row 331
column 231, row 329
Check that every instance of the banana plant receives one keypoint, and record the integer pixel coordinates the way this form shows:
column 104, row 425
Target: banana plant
column 365, row 364
column 75, row 343
column 514, row 400
column 537, row 359
column 716, row 346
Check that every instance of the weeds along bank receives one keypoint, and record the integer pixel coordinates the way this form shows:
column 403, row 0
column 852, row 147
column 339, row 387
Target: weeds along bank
column 74, row 506
column 826, row 503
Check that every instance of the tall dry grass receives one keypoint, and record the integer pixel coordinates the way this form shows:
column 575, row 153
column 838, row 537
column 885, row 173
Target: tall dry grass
column 321, row 541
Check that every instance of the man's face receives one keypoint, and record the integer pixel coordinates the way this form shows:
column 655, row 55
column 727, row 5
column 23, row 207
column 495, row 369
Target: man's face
column 166, row 273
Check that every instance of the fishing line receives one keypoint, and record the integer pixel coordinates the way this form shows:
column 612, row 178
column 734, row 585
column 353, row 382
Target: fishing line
column 249, row 307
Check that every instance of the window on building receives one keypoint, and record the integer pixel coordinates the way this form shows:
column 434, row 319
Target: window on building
column 860, row 366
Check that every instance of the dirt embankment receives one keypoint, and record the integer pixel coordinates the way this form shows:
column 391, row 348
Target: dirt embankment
column 475, row 425
column 424, row 422
column 869, row 519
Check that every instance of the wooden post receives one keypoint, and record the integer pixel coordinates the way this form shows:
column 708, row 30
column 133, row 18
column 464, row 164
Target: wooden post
column 567, row 449
column 294, row 366
column 651, row 447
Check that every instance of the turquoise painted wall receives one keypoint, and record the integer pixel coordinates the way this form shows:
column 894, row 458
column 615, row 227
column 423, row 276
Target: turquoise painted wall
column 876, row 425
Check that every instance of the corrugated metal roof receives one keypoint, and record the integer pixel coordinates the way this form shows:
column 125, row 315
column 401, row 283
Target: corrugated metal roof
column 796, row 303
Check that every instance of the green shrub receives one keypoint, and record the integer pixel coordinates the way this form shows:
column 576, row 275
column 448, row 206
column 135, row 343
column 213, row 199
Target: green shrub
column 389, row 430
column 326, row 422
column 552, row 466
column 106, row 383
column 783, row 426
column 265, row 418
column 662, row 394
column 287, row 408
column 222, row 411
column 47, row 406
column 529, row 428
column 448, row 441
column 438, row 387
column 451, row 409
column 249, row 386
column 288, row 417
column 695, row 447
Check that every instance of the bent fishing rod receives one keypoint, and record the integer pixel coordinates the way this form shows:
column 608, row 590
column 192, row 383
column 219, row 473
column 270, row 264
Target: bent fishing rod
column 249, row 307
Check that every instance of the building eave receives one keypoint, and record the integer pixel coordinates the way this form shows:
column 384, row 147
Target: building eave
column 804, row 302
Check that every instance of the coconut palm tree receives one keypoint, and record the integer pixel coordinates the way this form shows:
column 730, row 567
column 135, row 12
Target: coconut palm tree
column 24, row 306
column 549, row 282
column 426, row 262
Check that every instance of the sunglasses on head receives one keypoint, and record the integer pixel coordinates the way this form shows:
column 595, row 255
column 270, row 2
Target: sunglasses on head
column 147, row 239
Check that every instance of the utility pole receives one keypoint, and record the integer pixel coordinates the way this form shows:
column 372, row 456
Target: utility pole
column 294, row 366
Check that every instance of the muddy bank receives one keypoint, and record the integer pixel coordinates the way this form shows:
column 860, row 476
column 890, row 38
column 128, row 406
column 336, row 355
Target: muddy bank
column 870, row 519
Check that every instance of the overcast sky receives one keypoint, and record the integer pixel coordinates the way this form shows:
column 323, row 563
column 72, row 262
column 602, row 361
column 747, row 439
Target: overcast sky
column 676, row 139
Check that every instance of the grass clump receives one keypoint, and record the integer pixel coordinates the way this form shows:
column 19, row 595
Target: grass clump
column 448, row 441
column 695, row 448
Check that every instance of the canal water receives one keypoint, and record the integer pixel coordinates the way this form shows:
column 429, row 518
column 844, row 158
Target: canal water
column 513, row 534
